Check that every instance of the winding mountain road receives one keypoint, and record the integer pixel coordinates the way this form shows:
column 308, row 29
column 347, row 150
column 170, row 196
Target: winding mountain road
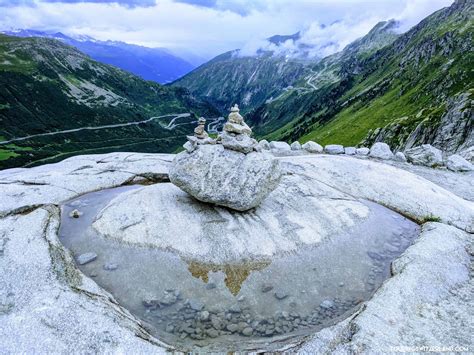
column 176, row 116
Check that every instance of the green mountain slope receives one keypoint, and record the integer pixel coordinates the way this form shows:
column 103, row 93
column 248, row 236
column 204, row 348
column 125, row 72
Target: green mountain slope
column 249, row 81
column 47, row 86
column 416, row 90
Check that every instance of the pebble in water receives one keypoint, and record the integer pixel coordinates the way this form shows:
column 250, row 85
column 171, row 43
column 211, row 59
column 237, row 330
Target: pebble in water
column 86, row 258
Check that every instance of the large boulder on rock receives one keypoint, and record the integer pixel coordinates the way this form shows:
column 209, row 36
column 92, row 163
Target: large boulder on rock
column 381, row 151
column 425, row 154
column 226, row 177
column 458, row 163
column 312, row 147
column 364, row 151
column 238, row 142
column 295, row 146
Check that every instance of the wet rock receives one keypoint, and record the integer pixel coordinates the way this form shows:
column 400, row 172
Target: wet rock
column 327, row 304
column 75, row 213
column 232, row 327
column 334, row 149
column 110, row 266
column 213, row 333
column 86, row 258
column 195, row 305
column 169, row 328
column 281, row 295
column 312, row 147
column 266, row 288
column 205, row 174
column 425, row 154
column 381, row 151
column 295, row 146
column 458, row 163
column 170, row 298
column 247, row 331
column 235, row 308
column 211, row 286
column 204, row 315
column 349, row 150
column 362, row 151
column 399, row 156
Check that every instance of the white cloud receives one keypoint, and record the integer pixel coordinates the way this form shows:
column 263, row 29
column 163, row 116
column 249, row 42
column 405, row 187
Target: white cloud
column 220, row 26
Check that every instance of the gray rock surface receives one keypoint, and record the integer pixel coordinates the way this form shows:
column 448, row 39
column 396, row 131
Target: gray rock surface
column 425, row 154
column 45, row 297
column 380, row 151
column 334, row 149
column 263, row 145
column 468, row 154
column 458, row 163
column 312, row 147
column 225, row 177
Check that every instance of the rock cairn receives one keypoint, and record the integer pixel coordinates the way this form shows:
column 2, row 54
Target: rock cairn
column 229, row 171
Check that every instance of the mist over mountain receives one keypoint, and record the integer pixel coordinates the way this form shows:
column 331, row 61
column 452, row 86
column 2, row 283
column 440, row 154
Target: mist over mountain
column 156, row 64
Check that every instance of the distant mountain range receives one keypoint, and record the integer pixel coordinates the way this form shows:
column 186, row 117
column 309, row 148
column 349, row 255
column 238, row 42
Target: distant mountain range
column 404, row 89
column 49, row 86
column 156, row 64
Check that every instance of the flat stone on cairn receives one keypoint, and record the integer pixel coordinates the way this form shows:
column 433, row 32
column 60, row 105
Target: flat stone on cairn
column 230, row 173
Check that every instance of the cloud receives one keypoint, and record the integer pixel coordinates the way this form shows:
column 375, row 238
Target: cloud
column 211, row 27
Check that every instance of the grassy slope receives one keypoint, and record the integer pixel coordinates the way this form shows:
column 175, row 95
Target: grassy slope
column 35, row 97
column 397, row 81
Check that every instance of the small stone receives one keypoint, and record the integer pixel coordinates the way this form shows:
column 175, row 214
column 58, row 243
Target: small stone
column 281, row 295
column 212, row 333
column 196, row 305
column 312, row 147
column 327, row 304
column 247, row 331
column 235, row 308
column 266, row 288
column 277, row 145
column 341, row 284
column 189, row 147
column 86, row 258
column 264, row 145
column 232, row 327
column 169, row 328
column 204, row 315
column 110, row 266
column 362, row 151
column 241, row 299
column 211, row 286
column 334, row 149
column 399, row 156
column 75, row 213
column 349, row 150
column 295, row 146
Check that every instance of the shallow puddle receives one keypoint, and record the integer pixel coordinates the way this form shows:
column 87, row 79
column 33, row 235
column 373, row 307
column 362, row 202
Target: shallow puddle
column 245, row 306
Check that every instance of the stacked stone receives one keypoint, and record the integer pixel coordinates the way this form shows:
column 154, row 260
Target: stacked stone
column 229, row 171
column 200, row 137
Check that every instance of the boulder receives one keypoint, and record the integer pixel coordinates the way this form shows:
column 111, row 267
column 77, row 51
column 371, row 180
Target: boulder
column 458, row 163
column 399, row 156
column 362, row 151
column 238, row 142
column 295, row 146
column 226, row 177
column 279, row 145
column 381, row 151
column 334, row 149
column 312, row 147
column 236, row 128
column 263, row 145
column 349, row 150
column 425, row 154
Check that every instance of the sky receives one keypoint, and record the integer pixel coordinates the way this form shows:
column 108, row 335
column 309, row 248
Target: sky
column 210, row 27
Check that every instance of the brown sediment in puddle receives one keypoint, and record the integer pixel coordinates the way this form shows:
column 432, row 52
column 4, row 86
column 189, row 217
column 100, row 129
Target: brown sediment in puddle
column 235, row 274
